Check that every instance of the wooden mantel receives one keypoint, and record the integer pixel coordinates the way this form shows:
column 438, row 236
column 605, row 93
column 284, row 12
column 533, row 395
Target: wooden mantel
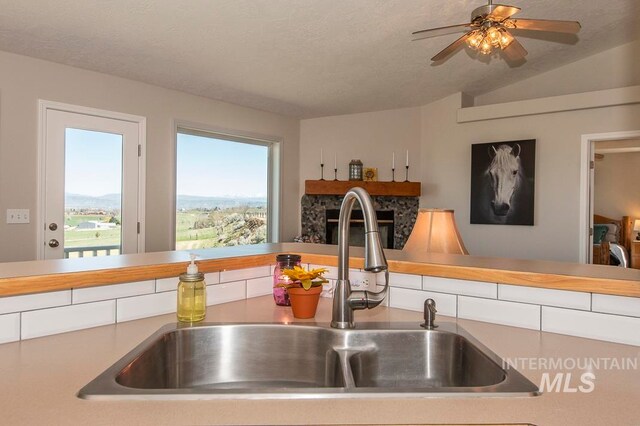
column 340, row 187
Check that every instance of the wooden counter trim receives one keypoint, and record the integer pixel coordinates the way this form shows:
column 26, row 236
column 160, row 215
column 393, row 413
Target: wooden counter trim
column 68, row 280
column 529, row 279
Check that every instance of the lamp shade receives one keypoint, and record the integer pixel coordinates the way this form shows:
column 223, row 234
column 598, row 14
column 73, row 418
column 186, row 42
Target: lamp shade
column 636, row 225
column 435, row 231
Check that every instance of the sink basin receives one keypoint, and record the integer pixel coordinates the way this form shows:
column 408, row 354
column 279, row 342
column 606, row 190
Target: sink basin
column 431, row 359
column 236, row 357
column 307, row 361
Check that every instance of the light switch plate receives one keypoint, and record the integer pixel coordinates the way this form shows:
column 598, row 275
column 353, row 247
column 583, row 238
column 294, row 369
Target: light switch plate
column 17, row 215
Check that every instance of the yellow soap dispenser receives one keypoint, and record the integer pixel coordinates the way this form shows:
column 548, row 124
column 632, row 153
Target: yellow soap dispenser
column 192, row 294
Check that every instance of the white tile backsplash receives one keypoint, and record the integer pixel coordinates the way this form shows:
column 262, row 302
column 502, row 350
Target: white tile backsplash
column 211, row 278
column 30, row 302
column 244, row 274
column 105, row 292
column 67, row 318
column 462, row 287
column 499, row 312
column 167, row 284
column 9, row 328
column 332, row 270
column 413, row 300
column 149, row 305
column 611, row 328
column 545, row 296
column 402, row 280
column 615, row 318
column 226, row 292
column 616, row 305
column 259, row 286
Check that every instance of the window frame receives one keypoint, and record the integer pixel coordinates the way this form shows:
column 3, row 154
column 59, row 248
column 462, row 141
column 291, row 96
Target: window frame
column 274, row 175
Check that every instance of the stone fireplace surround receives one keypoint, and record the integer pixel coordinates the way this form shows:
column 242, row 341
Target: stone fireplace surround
column 313, row 215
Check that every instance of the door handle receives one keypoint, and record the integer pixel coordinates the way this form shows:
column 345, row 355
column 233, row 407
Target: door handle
column 53, row 226
column 53, row 243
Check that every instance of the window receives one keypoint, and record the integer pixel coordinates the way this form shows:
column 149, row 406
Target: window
column 225, row 188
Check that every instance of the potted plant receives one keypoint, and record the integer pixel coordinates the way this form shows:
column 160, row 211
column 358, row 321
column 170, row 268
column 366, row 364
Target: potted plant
column 304, row 290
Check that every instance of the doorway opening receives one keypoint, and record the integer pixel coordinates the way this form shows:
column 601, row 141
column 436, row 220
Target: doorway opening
column 610, row 197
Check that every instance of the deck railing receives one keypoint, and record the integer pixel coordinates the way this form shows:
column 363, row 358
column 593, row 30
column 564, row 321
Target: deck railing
column 73, row 252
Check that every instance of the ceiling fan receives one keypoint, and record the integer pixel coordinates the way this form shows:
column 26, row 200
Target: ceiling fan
column 491, row 27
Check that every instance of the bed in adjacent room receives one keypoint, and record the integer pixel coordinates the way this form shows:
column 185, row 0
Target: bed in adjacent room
column 611, row 240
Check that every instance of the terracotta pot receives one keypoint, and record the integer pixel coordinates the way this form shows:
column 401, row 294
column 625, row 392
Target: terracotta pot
column 304, row 302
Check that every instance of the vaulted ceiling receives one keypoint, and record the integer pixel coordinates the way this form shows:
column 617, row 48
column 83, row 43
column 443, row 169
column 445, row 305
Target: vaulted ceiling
column 304, row 58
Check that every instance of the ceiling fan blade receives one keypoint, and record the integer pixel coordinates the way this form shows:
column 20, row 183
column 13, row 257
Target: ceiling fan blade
column 502, row 12
column 569, row 27
column 444, row 53
column 437, row 32
column 515, row 51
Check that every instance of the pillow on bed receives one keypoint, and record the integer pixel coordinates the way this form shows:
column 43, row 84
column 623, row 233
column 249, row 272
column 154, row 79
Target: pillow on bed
column 599, row 231
column 612, row 233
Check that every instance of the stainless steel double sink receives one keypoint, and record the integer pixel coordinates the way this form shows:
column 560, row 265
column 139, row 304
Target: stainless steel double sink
column 211, row 361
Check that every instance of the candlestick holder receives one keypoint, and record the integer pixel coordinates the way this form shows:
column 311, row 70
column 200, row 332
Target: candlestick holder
column 321, row 171
column 407, row 174
column 335, row 174
column 393, row 174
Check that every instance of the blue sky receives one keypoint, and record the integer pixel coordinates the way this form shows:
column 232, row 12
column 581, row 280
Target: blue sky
column 93, row 162
column 212, row 167
column 206, row 167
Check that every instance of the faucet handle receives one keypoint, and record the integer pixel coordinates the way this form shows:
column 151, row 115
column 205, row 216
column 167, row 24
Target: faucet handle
column 429, row 314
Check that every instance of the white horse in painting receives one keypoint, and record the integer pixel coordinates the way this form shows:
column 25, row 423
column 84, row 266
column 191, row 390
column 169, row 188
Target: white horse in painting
column 506, row 190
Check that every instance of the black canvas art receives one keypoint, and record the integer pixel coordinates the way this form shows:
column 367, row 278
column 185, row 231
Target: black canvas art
column 502, row 182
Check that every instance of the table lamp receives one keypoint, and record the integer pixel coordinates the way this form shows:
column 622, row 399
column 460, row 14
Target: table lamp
column 636, row 227
column 435, row 231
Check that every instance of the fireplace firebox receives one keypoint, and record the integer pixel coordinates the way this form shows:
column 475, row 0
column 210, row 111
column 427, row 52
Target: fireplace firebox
column 356, row 227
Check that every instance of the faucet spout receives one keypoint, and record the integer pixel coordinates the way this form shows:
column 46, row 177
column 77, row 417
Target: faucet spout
column 345, row 301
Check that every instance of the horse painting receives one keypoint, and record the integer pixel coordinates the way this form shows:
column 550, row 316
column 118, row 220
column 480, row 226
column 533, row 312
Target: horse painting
column 502, row 183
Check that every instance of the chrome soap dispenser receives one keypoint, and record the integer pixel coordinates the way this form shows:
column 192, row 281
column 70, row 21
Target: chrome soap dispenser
column 192, row 294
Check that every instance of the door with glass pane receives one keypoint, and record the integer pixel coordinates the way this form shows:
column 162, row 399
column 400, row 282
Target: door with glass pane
column 90, row 185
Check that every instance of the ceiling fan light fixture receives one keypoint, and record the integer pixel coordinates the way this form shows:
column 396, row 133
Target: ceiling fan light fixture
column 475, row 38
column 505, row 38
column 493, row 34
column 486, row 47
column 489, row 29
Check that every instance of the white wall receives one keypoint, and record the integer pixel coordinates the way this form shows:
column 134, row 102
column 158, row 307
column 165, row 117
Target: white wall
column 617, row 185
column 617, row 67
column 24, row 80
column 371, row 137
column 446, row 165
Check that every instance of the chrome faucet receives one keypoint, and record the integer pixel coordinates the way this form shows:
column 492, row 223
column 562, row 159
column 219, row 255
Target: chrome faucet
column 345, row 301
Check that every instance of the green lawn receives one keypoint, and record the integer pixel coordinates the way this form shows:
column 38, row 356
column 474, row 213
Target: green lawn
column 194, row 229
column 89, row 237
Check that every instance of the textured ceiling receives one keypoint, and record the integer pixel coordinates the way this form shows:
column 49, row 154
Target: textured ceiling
column 304, row 58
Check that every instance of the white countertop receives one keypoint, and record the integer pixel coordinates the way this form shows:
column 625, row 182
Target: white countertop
column 40, row 378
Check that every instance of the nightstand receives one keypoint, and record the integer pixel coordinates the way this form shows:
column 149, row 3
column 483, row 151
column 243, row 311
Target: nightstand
column 635, row 254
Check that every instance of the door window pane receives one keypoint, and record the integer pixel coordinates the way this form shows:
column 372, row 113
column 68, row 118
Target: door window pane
column 221, row 192
column 93, row 193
